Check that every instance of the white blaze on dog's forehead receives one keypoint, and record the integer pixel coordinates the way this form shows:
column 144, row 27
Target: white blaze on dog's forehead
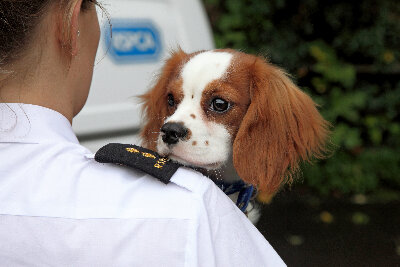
column 203, row 69
column 196, row 74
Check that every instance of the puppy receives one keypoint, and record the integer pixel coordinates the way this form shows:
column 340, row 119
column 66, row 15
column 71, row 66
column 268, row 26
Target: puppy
column 232, row 112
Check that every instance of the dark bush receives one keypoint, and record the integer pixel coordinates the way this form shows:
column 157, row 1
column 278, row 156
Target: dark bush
column 346, row 55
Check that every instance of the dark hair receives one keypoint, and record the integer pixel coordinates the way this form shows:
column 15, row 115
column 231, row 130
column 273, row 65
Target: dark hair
column 18, row 21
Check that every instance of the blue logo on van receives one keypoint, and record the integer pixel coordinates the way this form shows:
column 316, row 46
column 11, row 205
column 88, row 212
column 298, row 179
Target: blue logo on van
column 133, row 41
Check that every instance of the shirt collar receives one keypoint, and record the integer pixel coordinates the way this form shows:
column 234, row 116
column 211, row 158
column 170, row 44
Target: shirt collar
column 25, row 123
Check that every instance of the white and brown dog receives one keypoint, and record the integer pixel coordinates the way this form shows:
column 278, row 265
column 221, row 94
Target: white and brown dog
column 221, row 108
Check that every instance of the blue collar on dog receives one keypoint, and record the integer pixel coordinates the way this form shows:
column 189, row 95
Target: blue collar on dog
column 246, row 192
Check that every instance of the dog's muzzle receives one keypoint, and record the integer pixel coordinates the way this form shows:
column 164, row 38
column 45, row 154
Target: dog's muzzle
column 173, row 132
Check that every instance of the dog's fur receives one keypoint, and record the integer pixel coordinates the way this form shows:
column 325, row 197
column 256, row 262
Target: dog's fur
column 269, row 127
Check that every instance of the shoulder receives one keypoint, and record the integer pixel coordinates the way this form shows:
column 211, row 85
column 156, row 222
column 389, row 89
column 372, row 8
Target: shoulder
column 61, row 180
column 160, row 169
column 128, row 192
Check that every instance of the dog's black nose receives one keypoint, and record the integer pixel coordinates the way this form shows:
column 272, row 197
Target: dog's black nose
column 173, row 132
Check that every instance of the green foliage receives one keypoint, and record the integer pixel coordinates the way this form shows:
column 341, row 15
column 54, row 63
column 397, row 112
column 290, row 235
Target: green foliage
column 346, row 173
column 329, row 66
column 346, row 56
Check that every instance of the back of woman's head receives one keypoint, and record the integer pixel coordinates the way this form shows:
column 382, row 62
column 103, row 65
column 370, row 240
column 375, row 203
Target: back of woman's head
column 19, row 21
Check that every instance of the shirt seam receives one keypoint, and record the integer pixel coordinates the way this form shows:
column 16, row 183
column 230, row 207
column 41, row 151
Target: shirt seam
column 95, row 218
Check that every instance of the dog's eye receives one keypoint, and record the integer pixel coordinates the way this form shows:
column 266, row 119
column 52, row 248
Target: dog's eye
column 171, row 101
column 219, row 105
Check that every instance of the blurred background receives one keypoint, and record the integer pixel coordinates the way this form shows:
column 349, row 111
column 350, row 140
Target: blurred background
column 343, row 211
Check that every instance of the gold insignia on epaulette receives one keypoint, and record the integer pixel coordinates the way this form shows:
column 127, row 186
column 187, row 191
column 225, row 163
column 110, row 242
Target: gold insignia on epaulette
column 132, row 150
column 139, row 158
column 160, row 163
column 148, row 155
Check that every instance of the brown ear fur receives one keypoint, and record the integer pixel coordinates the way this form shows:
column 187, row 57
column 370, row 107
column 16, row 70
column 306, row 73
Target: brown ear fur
column 155, row 106
column 281, row 127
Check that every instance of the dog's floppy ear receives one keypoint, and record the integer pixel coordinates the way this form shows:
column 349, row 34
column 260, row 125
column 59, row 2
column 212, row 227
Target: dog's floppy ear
column 281, row 127
column 155, row 106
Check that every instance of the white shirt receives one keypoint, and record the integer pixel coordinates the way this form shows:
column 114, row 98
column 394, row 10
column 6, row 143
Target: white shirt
column 59, row 207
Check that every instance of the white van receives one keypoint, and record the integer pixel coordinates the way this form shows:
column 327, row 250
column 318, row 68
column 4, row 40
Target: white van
column 143, row 34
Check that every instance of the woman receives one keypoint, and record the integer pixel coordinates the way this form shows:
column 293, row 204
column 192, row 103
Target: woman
column 61, row 208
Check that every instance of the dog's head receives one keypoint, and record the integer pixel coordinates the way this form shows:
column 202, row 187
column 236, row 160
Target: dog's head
column 209, row 105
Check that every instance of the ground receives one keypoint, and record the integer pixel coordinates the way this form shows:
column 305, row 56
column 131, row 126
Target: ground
column 307, row 231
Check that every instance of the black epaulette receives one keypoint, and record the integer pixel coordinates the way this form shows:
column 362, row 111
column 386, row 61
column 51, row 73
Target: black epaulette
column 139, row 158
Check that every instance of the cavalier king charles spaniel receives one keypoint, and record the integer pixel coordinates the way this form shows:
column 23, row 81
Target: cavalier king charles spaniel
column 232, row 112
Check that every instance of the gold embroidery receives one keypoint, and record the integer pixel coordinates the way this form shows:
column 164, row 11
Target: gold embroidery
column 132, row 150
column 158, row 166
column 148, row 155
column 160, row 163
